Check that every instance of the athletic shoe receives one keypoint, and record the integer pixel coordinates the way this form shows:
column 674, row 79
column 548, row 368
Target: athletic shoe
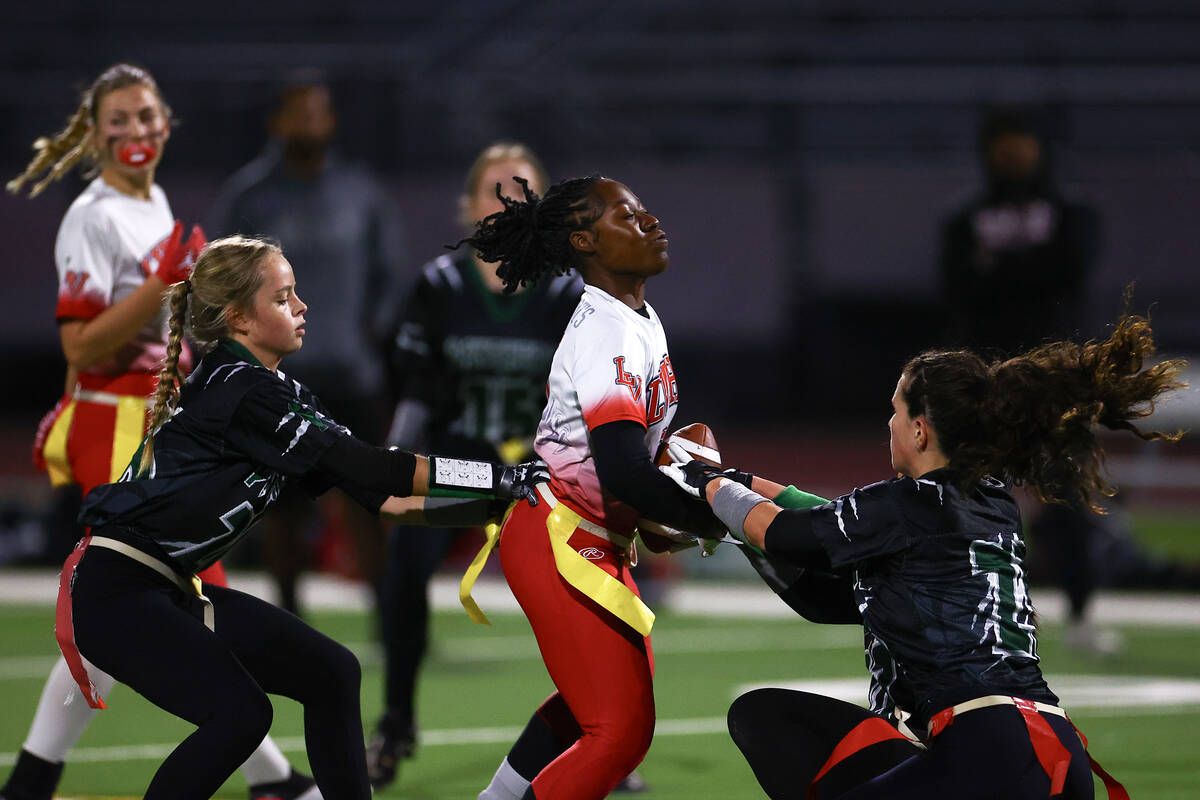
column 1088, row 640
column 633, row 783
column 32, row 778
column 384, row 752
column 298, row 786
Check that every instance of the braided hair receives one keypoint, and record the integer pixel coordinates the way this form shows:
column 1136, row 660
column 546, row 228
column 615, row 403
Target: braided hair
column 1032, row 419
column 56, row 155
column 227, row 275
column 530, row 238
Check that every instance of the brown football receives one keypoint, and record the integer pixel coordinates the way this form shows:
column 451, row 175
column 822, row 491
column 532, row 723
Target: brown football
column 698, row 440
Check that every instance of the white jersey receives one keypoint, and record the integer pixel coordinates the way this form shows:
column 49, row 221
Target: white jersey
column 612, row 364
column 99, row 250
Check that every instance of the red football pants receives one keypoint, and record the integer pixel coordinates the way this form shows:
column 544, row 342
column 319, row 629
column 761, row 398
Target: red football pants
column 601, row 667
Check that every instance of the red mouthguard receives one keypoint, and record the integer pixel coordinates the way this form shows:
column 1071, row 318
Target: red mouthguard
column 135, row 154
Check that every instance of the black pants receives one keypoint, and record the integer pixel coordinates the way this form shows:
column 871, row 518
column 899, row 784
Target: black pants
column 413, row 556
column 787, row 736
column 140, row 628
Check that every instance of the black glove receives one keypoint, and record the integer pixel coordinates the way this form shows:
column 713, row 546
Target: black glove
column 519, row 481
column 737, row 476
column 694, row 476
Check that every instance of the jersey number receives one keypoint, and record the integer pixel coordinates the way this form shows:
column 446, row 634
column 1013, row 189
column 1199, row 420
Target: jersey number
column 239, row 518
column 1005, row 613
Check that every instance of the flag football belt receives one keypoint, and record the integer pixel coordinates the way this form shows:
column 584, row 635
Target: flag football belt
column 609, row 592
column 1050, row 752
column 1049, row 749
column 102, row 398
column 620, row 542
column 64, row 629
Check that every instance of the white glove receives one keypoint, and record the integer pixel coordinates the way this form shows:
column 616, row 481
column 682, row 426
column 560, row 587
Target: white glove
column 675, row 473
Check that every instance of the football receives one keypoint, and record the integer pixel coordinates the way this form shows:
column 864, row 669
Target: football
column 694, row 441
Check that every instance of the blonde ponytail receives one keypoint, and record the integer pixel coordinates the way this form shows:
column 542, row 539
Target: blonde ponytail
column 166, row 395
column 56, row 155
column 227, row 275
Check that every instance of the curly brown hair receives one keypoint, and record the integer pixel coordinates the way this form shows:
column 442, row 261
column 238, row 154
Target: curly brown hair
column 1033, row 419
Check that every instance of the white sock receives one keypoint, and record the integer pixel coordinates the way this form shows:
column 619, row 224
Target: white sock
column 506, row 784
column 62, row 713
column 267, row 764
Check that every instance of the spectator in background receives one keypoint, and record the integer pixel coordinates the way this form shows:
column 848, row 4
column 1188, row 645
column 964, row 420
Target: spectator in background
column 346, row 239
column 117, row 252
column 469, row 363
column 1015, row 263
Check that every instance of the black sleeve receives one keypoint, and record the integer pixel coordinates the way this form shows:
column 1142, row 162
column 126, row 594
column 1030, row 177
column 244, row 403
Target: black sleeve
column 626, row 471
column 357, row 467
column 790, row 536
column 817, row 595
column 414, row 349
column 273, row 426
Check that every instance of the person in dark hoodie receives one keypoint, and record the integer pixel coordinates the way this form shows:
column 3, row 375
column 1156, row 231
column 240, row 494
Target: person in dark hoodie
column 1016, row 259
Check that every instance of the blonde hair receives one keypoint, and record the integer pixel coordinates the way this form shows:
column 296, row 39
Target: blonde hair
column 227, row 275
column 493, row 154
column 56, row 155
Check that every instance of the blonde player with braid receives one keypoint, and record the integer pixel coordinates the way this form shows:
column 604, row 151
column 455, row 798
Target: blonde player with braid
column 224, row 443
column 117, row 251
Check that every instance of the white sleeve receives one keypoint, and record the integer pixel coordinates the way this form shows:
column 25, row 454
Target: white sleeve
column 608, row 372
column 84, row 255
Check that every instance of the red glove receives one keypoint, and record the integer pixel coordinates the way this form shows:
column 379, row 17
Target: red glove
column 43, row 431
column 172, row 258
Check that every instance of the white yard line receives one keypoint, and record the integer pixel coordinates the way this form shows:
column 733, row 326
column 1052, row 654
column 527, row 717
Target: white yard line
column 488, row 647
column 1100, row 695
column 737, row 600
column 1113, row 695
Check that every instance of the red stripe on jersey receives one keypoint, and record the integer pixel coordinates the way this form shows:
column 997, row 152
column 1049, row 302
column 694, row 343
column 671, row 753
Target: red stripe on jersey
column 71, row 306
column 614, row 408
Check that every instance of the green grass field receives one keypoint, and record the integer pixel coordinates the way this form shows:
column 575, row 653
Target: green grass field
column 480, row 685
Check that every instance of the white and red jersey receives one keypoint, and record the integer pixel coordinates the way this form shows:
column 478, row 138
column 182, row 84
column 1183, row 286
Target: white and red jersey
column 612, row 364
column 100, row 246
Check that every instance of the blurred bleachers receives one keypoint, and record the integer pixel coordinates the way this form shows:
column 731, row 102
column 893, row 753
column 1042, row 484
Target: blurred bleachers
column 801, row 153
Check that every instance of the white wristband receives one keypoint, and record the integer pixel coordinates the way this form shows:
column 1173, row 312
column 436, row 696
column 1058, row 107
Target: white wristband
column 459, row 473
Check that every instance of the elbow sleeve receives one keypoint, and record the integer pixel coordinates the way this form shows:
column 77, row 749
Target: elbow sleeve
column 626, row 471
column 351, row 461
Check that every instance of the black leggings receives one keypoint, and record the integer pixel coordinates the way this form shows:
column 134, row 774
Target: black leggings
column 787, row 736
column 413, row 556
column 140, row 628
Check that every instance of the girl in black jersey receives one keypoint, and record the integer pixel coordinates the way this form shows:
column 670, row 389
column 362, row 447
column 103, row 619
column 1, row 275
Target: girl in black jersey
column 220, row 448
column 930, row 563
column 469, row 362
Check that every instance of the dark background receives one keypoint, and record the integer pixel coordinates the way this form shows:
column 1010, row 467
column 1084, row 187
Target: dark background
column 802, row 154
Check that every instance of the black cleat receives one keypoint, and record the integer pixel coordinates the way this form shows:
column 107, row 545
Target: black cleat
column 384, row 752
column 32, row 778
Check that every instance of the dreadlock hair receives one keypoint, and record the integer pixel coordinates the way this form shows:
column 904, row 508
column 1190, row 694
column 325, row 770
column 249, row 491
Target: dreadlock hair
column 56, row 155
column 1032, row 419
column 227, row 275
column 496, row 153
column 530, row 238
